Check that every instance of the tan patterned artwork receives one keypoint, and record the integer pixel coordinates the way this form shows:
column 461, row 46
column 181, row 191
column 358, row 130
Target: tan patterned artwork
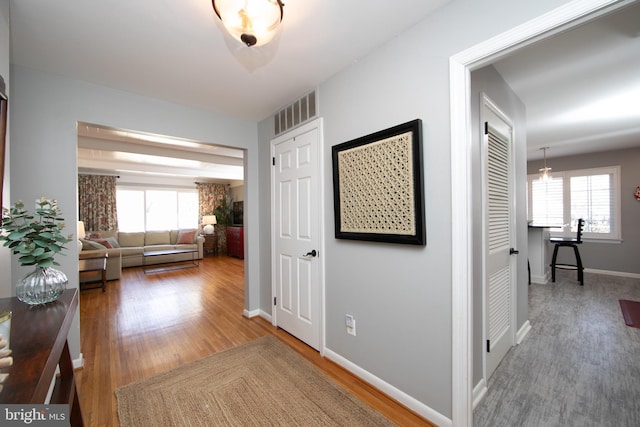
column 378, row 186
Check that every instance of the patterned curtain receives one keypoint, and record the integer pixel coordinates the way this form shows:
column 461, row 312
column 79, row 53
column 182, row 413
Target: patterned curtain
column 209, row 196
column 97, row 202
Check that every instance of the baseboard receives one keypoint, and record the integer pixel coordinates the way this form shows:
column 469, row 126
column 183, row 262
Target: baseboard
column 251, row 313
column 613, row 273
column 479, row 392
column 79, row 362
column 266, row 316
column 257, row 312
column 391, row 391
column 523, row 331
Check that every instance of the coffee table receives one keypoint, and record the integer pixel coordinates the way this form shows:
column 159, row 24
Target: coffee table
column 97, row 264
column 177, row 264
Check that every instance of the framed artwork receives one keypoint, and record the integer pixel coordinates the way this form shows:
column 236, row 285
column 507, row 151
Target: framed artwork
column 4, row 104
column 377, row 186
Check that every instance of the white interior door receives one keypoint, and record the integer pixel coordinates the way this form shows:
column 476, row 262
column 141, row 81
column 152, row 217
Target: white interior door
column 297, row 230
column 499, row 236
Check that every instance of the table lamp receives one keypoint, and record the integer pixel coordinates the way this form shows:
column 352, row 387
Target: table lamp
column 208, row 221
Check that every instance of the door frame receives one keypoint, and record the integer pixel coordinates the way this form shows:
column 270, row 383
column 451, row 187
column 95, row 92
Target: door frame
column 460, row 67
column 487, row 103
column 318, row 124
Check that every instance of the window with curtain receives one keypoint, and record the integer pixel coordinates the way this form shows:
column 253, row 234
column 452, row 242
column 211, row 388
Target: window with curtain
column 97, row 202
column 590, row 194
column 141, row 209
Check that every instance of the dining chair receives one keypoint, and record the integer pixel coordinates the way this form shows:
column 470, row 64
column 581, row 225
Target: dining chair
column 570, row 243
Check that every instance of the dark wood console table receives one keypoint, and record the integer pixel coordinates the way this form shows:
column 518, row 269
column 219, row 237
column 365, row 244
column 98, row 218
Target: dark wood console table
column 39, row 343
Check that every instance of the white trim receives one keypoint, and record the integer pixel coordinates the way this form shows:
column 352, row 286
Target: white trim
column 523, row 332
column 613, row 273
column 479, row 392
column 252, row 313
column 391, row 391
column 541, row 280
column 79, row 362
column 461, row 65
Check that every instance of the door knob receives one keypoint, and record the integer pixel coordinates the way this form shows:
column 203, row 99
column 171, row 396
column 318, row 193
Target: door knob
column 312, row 253
column 513, row 251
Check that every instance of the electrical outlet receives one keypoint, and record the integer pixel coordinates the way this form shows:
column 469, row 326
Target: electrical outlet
column 351, row 324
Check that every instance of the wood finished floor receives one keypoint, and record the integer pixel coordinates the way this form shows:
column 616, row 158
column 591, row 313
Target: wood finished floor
column 145, row 324
column 578, row 366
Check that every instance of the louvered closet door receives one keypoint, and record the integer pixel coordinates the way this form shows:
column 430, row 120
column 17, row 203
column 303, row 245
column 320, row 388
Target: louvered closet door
column 498, row 231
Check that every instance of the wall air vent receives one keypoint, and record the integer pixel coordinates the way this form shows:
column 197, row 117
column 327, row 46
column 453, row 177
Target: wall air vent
column 295, row 114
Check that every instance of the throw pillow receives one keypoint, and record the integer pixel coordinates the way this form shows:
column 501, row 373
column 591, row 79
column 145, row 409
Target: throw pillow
column 185, row 237
column 88, row 245
column 103, row 242
column 112, row 241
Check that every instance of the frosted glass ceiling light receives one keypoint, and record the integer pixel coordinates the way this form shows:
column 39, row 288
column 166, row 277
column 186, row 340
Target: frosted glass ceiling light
column 253, row 22
column 544, row 172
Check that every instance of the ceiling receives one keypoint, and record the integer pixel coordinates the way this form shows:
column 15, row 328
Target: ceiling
column 581, row 88
column 175, row 50
column 107, row 150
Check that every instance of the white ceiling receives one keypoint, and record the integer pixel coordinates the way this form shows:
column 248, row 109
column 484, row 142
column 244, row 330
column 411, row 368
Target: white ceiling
column 106, row 150
column 175, row 50
column 581, row 87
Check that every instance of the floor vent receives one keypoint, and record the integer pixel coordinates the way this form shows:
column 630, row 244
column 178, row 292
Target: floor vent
column 301, row 111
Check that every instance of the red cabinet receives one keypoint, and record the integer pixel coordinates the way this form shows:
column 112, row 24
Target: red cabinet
column 235, row 241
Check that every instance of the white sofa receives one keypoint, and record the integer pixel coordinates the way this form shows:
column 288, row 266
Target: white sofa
column 127, row 248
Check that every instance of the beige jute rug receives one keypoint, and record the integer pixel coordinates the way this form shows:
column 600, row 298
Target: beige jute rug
column 261, row 383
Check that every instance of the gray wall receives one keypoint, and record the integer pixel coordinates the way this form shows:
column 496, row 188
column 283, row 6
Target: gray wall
column 400, row 295
column 45, row 109
column 488, row 80
column 613, row 257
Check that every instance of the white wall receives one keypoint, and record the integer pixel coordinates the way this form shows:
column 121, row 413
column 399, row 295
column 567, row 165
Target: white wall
column 45, row 109
column 6, row 282
column 400, row 295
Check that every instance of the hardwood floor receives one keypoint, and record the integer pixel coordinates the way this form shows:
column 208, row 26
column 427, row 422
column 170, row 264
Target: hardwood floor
column 145, row 324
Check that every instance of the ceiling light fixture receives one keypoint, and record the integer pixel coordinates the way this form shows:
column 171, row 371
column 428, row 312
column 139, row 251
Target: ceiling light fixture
column 253, row 22
column 544, row 172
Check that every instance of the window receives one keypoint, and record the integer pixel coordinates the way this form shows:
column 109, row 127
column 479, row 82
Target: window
column 590, row 194
column 141, row 209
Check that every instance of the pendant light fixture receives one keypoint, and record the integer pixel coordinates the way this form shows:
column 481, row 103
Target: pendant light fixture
column 252, row 22
column 544, row 172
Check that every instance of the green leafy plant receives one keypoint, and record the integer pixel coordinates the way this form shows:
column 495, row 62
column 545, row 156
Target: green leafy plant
column 224, row 212
column 36, row 238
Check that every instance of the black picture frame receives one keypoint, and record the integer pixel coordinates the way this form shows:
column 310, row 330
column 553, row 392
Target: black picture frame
column 377, row 186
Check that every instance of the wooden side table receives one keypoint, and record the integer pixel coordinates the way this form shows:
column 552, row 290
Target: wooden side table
column 210, row 245
column 39, row 344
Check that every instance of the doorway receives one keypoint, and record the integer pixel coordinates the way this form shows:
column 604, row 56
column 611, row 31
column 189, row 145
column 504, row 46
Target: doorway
column 461, row 65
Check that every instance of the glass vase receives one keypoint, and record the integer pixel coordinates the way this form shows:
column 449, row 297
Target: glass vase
column 43, row 285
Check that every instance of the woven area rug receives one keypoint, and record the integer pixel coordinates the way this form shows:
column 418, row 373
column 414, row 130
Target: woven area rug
column 263, row 382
